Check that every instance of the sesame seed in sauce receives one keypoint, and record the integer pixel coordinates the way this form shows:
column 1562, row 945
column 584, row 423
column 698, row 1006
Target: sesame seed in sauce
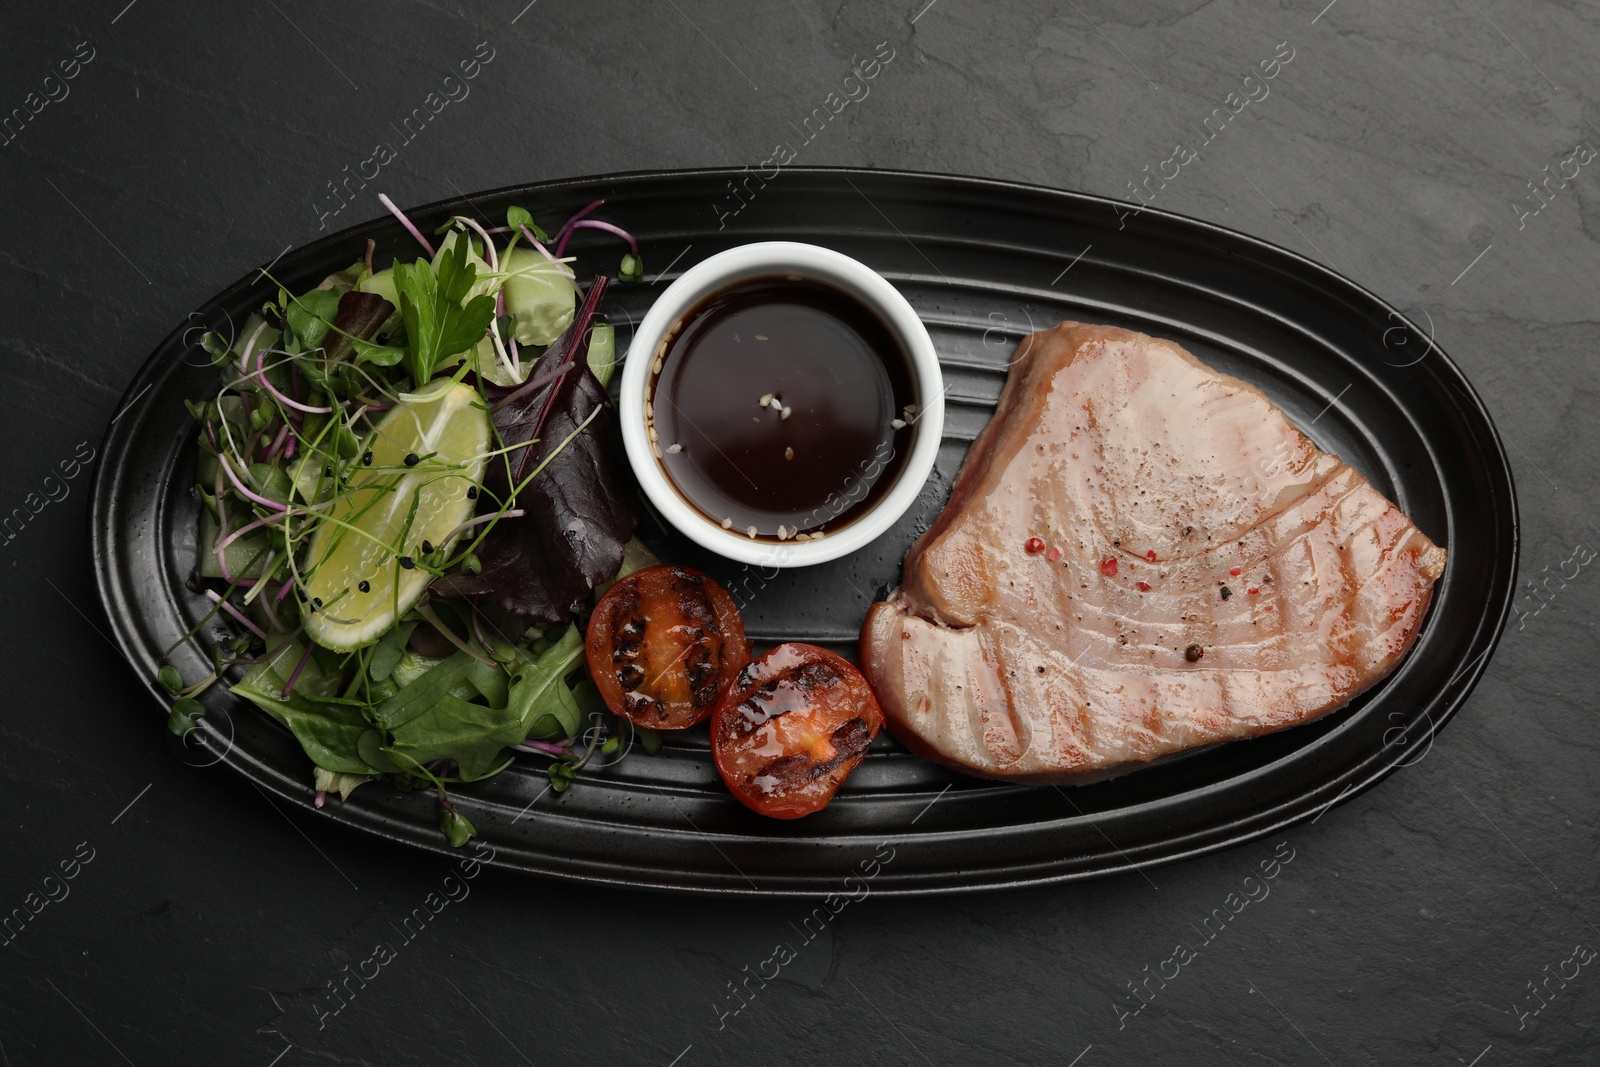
column 785, row 413
column 788, row 453
column 897, row 424
column 727, row 524
column 750, row 532
column 673, row 449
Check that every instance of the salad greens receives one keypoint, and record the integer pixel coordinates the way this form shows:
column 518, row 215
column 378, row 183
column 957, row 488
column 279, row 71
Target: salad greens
column 441, row 315
column 489, row 662
column 532, row 567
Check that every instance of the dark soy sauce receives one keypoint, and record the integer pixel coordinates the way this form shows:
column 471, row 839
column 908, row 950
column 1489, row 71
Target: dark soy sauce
column 741, row 359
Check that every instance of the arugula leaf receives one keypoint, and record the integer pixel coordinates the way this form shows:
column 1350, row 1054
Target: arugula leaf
column 328, row 729
column 437, row 324
column 452, row 728
column 437, row 717
column 459, row 676
column 539, row 694
column 310, row 314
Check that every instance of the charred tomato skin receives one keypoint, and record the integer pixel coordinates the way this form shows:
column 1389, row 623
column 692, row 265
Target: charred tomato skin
column 663, row 645
column 792, row 728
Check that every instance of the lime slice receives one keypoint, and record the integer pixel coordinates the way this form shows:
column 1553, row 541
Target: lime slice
column 390, row 510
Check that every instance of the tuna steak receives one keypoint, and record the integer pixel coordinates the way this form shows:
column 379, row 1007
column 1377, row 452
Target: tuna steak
column 1140, row 556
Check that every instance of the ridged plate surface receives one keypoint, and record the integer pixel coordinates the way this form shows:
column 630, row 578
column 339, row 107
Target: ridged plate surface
column 984, row 263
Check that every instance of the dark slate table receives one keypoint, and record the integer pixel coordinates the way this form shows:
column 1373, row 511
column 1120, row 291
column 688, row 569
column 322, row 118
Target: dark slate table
column 1442, row 918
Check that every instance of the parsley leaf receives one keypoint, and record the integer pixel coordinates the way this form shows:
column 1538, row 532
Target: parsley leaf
column 437, row 325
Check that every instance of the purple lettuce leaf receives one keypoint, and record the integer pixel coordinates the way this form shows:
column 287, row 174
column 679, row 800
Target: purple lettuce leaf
column 581, row 509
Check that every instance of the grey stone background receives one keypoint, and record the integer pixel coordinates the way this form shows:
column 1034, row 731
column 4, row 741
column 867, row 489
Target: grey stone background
column 1411, row 925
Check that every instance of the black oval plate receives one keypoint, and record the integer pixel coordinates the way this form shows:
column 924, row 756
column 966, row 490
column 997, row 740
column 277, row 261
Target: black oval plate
column 984, row 262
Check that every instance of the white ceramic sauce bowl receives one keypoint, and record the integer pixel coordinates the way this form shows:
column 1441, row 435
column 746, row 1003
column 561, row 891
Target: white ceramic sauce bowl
column 769, row 259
